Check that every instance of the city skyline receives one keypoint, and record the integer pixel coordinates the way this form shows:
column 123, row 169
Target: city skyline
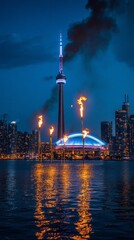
column 125, row 105
column 17, row 144
column 29, row 50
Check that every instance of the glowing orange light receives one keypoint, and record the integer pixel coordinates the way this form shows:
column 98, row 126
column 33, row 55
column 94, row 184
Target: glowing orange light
column 80, row 102
column 40, row 121
column 85, row 132
column 51, row 130
column 65, row 138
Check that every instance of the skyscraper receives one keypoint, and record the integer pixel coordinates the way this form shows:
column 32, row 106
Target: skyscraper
column 126, row 106
column 35, row 141
column 61, row 80
column 12, row 137
column 131, row 135
column 106, row 132
column 121, row 128
column 27, row 142
column 3, row 137
column 20, row 142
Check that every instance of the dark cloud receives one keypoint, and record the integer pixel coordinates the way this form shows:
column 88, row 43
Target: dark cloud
column 17, row 52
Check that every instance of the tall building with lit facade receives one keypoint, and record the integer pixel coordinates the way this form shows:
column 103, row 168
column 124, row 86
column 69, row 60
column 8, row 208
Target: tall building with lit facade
column 106, row 133
column 12, row 138
column 35, row 141
column 24, row 142
column 20, row 142
column 27, row 142
column 131, row 136
column 126, row 106
column 3, row 137
column 61, row 80
column 121, row 128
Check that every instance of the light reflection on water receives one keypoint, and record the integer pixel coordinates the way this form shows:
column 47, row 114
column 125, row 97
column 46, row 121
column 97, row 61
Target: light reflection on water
column 58, row 205
column 66, row 200
column 83, row 224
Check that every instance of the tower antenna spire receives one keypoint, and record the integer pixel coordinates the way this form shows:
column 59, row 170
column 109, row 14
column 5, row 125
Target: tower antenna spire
column 61, row 55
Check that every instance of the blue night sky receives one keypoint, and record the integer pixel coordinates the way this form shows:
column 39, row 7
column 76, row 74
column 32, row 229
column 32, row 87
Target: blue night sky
column 99, row 60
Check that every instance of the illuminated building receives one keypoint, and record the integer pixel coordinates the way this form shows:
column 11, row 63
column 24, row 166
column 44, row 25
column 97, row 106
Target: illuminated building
column 20, row 142
column 26, row 142
column 35, row 141
column 23, row 143
column 12, row 138
column 106, row 132
column 131, row 135
column 121, row 128
column 94, row 146
column 61, row 80
column 3, row 137
column 126, row 106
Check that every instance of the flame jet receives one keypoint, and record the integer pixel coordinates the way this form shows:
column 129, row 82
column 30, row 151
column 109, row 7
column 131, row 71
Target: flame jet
column 40, row 121
column 85, row 132
column 51, row 130
column 80, row 102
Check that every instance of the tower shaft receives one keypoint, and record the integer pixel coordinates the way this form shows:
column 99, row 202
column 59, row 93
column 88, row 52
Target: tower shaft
column 60, row 80
column 61, row 113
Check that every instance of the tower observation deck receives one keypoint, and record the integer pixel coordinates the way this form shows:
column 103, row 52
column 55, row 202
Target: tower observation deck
column 61, row 80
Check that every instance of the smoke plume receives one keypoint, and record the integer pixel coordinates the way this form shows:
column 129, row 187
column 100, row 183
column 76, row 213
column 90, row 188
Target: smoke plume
column 89, row 36
column 94, row 33
column 49, row 104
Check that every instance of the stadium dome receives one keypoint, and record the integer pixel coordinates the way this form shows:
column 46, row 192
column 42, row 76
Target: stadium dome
column 75, row 140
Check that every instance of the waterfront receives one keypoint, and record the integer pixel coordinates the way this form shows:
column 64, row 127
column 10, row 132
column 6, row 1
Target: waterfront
column 66, row 200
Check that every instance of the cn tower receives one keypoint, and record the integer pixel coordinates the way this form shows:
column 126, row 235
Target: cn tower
column 61, row 80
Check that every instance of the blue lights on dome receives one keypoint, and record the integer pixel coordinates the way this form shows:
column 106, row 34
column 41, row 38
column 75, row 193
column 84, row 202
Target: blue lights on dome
column 75, row 140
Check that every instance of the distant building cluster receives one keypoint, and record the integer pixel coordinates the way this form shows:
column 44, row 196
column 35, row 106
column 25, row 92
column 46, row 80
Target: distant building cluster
column 18, row 145
column 122, row 144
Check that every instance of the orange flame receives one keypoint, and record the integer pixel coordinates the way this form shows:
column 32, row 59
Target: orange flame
column 80, row 102
column 51, row 130
column 40, row 121
column 85, row 132
column 65, row 138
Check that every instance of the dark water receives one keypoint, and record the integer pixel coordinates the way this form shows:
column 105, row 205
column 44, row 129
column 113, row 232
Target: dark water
column 71, row 200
